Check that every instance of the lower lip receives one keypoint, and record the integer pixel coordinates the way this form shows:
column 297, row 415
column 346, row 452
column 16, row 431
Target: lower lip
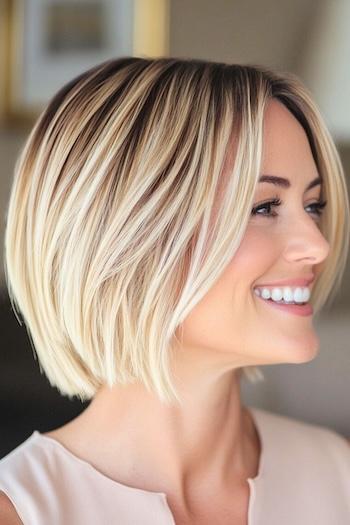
column 297, row 309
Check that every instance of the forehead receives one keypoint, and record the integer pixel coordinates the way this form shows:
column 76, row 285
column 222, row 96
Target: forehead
column 284, row 139
column 286, row 149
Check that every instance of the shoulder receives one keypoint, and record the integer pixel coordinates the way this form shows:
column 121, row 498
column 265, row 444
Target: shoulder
column 18, row 462
column 307, row 443
column 41, row 481
column 281, row 423
column 35, row 480
column 307, row 467
column 8, row 514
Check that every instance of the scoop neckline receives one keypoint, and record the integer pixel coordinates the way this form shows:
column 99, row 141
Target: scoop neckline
column 256, row 414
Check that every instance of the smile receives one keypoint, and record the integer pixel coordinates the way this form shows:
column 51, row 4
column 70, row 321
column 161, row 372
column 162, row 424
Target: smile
column 304, row 309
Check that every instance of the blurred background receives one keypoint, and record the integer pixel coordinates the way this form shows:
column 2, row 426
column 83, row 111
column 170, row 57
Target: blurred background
column 45, row 43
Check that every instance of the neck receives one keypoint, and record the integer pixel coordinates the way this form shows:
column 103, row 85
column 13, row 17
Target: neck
column 210, row 441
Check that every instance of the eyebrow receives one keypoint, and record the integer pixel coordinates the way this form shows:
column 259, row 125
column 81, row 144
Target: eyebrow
column 285, row 183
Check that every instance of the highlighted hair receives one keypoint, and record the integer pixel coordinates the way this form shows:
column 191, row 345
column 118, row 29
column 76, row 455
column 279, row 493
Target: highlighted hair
column 113, row 233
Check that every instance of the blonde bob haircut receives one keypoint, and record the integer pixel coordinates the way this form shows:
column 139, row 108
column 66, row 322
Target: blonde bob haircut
column 113, row 232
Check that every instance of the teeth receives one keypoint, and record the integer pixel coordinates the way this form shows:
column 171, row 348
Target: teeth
column 265, row 293
column 298, row 295
column 306, row 295
column 285, row 294
column 277, row 294
column 288, row 295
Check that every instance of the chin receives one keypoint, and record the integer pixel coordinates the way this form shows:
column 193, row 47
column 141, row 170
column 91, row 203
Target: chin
column 305, row 351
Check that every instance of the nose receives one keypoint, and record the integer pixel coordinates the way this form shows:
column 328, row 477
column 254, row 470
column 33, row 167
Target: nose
column 306, row 242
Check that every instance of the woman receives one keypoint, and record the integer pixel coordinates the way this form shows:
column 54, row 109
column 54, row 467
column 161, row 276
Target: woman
column 169, row 220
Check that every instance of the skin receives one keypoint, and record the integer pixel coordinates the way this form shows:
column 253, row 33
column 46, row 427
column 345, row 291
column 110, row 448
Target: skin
column 210, row 445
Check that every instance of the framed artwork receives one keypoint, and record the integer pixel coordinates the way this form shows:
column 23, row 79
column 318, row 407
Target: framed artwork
column 49, row 42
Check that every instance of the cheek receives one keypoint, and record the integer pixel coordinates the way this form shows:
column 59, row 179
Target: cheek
column 223, row 315
column 258, row 251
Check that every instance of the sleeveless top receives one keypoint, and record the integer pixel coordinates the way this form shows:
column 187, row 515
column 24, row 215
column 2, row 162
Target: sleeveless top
column 303, row 477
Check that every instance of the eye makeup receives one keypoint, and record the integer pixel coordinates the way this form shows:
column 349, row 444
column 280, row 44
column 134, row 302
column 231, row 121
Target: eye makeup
column 317, row 207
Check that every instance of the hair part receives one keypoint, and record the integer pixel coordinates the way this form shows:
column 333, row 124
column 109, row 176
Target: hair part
column 113, row 230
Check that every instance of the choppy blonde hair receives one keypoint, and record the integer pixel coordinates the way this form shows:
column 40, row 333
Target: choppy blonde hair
column 111, row 238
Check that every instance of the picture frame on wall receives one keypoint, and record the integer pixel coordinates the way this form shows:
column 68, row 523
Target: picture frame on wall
column 49, row 42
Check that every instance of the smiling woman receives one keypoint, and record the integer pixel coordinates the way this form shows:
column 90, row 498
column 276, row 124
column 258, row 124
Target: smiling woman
column 172, row 225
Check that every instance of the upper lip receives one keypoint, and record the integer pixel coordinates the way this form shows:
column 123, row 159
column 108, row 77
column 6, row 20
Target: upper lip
column 299, row 281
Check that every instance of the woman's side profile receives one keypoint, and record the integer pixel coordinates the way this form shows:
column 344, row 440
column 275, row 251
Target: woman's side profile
column 174, row 224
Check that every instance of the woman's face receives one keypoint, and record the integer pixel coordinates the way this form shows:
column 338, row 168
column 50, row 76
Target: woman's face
column 281, row 243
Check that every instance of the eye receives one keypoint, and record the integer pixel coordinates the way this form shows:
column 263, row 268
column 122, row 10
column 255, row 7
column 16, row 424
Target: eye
column 267, row 205
column 316, row 207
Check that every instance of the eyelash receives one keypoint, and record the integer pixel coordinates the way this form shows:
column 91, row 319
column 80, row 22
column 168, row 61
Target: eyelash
column 318, row 207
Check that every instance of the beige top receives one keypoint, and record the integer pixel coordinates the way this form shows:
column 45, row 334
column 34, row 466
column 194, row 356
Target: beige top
column 303, row 477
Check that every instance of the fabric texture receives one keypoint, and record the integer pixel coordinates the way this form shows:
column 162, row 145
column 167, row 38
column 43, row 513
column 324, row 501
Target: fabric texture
column 303, row 477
